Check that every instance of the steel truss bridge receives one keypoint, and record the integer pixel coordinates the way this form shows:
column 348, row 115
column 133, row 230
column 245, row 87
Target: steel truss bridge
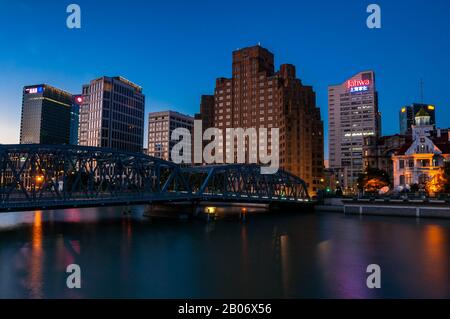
column 55, row 176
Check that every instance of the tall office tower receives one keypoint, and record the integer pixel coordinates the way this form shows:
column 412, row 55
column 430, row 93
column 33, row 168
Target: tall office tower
column 75, row 119
column 112, row 114
column 45, row 115
column 160, row 128
column 206, row 114
column 408, row 114
column 258, row 97
column 353, row 115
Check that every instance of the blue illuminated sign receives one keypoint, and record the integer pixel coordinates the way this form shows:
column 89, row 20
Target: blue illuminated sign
column 35, row 90
column 359, row 89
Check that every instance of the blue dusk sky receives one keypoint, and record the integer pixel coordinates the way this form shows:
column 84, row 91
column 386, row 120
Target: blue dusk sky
column 176, row 49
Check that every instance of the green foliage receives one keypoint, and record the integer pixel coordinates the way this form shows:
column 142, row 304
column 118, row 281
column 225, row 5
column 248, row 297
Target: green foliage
column 447, row 177
column 371, row 174
column 414, row 188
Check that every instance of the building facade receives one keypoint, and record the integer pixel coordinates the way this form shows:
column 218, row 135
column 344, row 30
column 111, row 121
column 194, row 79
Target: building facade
column 206, row 114
column 112, row 114
column 377, row 152
column 407, row 115
column 422, row 159
column 75, row 120
column 257, row 96
column 45, row 117
column 353, row 115
column 160, row 128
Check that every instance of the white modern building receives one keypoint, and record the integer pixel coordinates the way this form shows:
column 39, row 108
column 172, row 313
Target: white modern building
column 352, row 115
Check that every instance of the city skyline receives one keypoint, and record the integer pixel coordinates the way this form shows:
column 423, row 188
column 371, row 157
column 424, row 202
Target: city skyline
column 221, row 158
column 400, row 59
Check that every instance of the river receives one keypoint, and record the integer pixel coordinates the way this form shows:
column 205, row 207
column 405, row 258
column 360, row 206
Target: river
column 291, row 255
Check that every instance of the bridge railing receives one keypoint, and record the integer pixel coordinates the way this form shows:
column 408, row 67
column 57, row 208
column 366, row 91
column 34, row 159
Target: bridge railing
column 42, row 173
column 244, row 182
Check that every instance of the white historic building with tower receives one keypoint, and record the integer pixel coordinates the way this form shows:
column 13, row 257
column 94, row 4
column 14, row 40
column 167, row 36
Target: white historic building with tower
column 420, row 160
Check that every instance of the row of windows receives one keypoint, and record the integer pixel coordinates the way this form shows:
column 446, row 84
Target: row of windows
column 124, row 90
column 410, row 163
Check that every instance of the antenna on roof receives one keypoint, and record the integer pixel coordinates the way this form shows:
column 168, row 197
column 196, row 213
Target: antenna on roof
column 421, row 90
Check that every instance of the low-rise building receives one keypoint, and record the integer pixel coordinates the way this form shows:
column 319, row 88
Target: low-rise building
column 422, row 159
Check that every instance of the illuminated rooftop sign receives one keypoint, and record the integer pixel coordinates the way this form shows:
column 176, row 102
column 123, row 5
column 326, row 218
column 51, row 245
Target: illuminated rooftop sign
column 38, row 89
column 359, row 89
column 353, row 83
column 358, row 85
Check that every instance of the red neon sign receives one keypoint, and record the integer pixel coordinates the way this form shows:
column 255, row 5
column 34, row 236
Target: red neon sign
column 353, row 83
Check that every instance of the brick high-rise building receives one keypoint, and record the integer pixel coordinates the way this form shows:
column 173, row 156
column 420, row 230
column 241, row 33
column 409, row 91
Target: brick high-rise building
column 258, row 97
column 206, row 111
column 112, row 114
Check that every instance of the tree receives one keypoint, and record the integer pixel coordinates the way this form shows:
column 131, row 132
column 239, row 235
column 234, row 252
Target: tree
column 339, row 191
column 374, row 185
column 447, row 177
column 440, row 183
column 436, row 185
column 414, row 188
column 373, row 179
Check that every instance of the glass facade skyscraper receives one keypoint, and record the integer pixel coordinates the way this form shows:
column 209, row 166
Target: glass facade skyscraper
column 75, row 119
column 45, row 115
column 408, row 114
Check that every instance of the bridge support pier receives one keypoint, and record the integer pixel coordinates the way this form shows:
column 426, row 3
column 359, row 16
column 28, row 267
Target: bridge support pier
column 175, row 210
column 292, row 207
column 127, row 210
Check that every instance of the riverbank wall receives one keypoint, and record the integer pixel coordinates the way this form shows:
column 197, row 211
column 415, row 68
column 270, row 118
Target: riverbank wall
column 383, row 207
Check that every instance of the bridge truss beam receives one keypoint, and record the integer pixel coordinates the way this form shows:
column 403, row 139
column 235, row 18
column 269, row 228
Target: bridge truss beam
column 59, row 176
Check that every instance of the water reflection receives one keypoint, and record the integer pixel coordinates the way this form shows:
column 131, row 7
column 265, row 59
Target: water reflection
column 436, row 258
column 269, row 256
column 343, row 258
column 36, row 258
column 285, row 263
